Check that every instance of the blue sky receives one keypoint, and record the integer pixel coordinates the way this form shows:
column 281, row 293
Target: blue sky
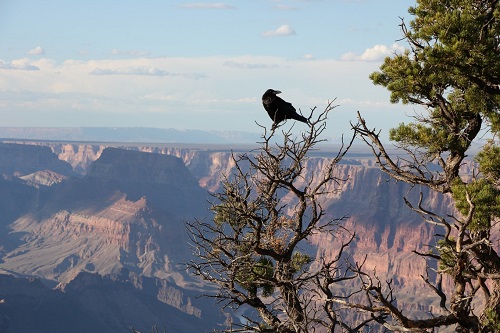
column 194, row 64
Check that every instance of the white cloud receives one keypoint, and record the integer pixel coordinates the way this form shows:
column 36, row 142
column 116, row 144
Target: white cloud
column 308, row 56
column 36, row 51
column 162, row 92
column 284, row 30
column 134, row 53
column 203, row 5
column 159, row 97
column 23, row 64
column 143, row 71
column 243, row 65
column 376, row 53
column 149, row 71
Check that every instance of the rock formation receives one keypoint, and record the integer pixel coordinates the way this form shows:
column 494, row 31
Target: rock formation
column 23, row 159
column 128, row 211
column 125, row 210
column 99, row 304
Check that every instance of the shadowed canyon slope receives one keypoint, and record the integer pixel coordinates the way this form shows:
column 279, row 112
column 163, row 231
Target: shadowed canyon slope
column 127, row 211
column 93, row 303
column 106, row 212
column 121, row 225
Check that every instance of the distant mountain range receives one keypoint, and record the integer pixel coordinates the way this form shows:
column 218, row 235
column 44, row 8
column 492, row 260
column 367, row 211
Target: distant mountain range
column 92, row 235
column 127, row 134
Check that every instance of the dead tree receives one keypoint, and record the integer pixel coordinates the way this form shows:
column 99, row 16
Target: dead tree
column 255, row 250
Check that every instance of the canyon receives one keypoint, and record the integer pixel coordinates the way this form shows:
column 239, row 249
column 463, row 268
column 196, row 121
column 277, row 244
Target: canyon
column 100, row 227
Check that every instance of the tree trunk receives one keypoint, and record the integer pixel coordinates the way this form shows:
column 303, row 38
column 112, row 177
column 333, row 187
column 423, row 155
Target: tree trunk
column 490, row 318
column 289, row 293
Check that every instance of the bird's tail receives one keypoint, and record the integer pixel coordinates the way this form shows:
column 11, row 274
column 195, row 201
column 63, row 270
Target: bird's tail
column 300, row 118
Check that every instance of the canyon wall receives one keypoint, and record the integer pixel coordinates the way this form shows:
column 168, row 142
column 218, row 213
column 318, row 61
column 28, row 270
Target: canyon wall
column 99, row 210
column 387, row 231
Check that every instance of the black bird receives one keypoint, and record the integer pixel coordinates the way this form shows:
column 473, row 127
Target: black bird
column 279, row 109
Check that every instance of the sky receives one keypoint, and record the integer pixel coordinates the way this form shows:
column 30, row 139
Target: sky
column 195, row 64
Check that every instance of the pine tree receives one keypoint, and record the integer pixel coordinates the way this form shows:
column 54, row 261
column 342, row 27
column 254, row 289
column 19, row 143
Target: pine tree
column 452, row 70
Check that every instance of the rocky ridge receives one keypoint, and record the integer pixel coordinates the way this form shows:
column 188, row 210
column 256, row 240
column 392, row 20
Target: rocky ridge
column 382, row 220
column 126, row 211
column 386, row 228
column 95, row 303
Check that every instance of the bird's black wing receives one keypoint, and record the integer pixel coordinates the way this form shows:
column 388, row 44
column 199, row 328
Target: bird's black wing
column 287, row 111
column 285, row 106
column 271, row 109
column 284, row 110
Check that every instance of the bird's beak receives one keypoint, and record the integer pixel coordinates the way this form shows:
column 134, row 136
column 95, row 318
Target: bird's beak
column 277, row 92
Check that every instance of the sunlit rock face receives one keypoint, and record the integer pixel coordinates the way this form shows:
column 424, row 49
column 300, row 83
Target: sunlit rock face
column 387, row 231
column 128, row 211
column 124, row 208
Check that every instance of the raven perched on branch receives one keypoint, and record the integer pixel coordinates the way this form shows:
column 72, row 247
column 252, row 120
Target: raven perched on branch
column 279, row 109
